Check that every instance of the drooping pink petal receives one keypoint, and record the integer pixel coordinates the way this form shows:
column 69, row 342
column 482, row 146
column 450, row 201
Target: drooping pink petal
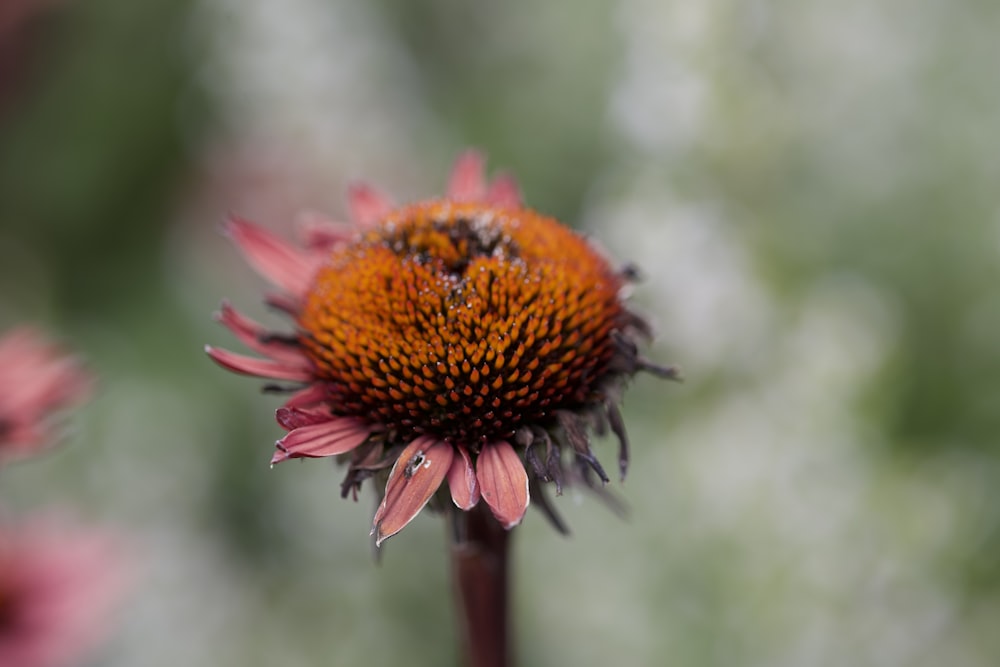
column 467, row 182
column 503, row 482
column 284, row 265
column 257, row 338
column 367, row 205
column 415, row 476
column 320, row 233
column 264, row 368
column 462, row 480
column 504, row 192
column 329, row 438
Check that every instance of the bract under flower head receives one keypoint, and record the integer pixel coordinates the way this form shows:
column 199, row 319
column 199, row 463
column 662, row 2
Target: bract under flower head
column 466, row 340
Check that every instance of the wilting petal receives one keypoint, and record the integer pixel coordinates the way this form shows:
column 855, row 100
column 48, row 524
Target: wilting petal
column 504, row 192
column 466, row 182
column 416, row 475
column 503, row 482
column 329, row 438
column 367, row 204
column 254, row 336
column 282, row 264
column 462, row 480
column 264, row 368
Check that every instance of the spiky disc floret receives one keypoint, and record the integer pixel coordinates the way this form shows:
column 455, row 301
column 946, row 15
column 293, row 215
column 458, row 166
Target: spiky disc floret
column 463, row 321
column 465, row 339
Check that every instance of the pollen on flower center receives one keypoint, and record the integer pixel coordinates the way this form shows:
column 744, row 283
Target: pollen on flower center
column 462, row 320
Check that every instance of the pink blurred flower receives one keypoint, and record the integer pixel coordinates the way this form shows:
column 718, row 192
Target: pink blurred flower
column 36, row 379
column 58, row 586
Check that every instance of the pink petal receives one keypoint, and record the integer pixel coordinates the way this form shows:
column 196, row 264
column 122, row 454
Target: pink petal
column 254, row 336
column 320, row 232
column 264, row 368
column 290, row 305
column 329, row 438
column 368, row 206
column 466, row 182
column 504, row 192
column 503, row 482
column 293, row 418
column 282, row 264
column 415, row 476
column 307, row 397
column 462, row 481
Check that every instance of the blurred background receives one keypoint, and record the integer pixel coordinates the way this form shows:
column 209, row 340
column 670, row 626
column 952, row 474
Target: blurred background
column 810, row 188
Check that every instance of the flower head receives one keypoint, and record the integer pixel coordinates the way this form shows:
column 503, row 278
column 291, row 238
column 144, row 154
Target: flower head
column 58, row 586
column 36, row 380
column 467, row 340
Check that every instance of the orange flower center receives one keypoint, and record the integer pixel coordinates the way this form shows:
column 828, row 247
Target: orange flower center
column 462, row 321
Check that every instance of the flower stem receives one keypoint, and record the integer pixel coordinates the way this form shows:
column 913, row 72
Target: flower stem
column 479, row 557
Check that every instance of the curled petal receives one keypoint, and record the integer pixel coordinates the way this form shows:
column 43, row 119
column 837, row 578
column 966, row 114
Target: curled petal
column 462, row 480
column 257, row 338
column 282, row 264
column 367, row 204
column 503, row 482
column 466, row 182
column 264, row 368
column 416, row 475
column 329, row 438
column 504, row 192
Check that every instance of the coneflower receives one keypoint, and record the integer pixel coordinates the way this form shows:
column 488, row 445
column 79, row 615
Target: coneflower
column 464, row 343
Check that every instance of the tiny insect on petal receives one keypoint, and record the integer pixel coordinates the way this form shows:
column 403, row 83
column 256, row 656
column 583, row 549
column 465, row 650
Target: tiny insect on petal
column 416, row 475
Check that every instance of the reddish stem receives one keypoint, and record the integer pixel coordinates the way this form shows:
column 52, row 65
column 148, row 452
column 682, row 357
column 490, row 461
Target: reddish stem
column 479, row 557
